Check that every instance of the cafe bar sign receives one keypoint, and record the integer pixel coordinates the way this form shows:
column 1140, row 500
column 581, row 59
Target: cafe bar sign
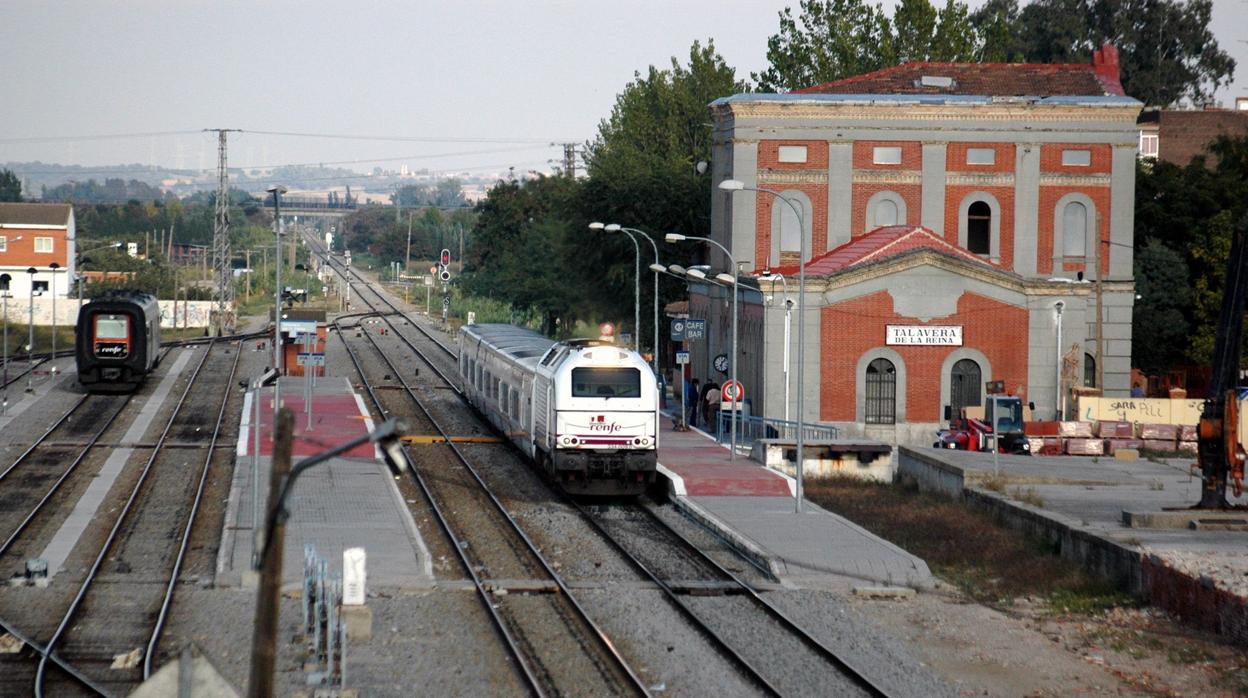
column 925, row 335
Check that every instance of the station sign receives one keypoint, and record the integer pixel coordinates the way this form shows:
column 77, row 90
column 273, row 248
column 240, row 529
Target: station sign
column 682, row 358
column 310, row 359
column 695, row 329
column 678, row 330
column 294, row 328
column 924, row 335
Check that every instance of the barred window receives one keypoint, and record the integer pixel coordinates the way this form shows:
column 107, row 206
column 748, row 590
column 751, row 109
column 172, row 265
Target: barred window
column 881, row 402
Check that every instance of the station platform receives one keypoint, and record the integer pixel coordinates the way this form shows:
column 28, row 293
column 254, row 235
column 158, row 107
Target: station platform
column 753, row 508
column 349, row 501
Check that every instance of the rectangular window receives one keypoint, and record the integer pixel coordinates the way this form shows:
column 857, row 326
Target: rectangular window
column 1148, row 145
column 606, row 382
column 40, row 286
column 792, row 153
column 1076, row 158
column 981, row 156
column 112, row 327
column 4, row 244
column 43, row 245
column 886, row 155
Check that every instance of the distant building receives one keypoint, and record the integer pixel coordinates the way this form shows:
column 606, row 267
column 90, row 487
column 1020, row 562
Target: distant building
column 950, row 212
column 38, row 236
column 1178, row 135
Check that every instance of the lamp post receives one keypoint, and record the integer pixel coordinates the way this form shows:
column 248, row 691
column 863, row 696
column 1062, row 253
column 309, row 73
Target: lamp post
column 277, row 192
column 30, row 347
column 53, row 266
column 4, row 294
column 733, row 185
column 613, row 227
column 636, row 281
column 699, row 274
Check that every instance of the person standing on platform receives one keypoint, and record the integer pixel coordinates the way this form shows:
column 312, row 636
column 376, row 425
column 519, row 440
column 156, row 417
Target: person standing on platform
column 691, row 402
column 704, row 403
column 712, row 409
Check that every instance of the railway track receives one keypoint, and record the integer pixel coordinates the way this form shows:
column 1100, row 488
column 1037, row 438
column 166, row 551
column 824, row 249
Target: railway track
column 117, row 609
column 547, row 632
column 694, row 576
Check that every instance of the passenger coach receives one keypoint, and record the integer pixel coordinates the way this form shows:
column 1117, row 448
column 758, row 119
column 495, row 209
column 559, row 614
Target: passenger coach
column 585, row 411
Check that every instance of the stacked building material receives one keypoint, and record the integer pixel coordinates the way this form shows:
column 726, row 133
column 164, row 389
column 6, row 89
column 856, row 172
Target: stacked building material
column 1074, row 430
column 1085, row 447
column 1159, row 437
column 1115, row 430
column 1112, row 446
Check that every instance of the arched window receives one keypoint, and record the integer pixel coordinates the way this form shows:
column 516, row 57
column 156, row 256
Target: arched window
column 964, row 383
column 979, row 228
column 1089, row 371
column 1074, row 229
column 885, row 213
column 790, row 230
column 881, row 397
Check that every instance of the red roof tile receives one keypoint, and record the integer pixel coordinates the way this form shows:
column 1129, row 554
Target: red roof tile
column 880, row 244
column 1099, row 78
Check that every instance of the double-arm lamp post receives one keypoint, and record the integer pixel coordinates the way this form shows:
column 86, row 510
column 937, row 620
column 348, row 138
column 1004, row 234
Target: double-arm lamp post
column 630, row 232
column 733, row 185
column 734, row 403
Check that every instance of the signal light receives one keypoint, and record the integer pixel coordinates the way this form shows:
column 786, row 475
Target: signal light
column 446, row 257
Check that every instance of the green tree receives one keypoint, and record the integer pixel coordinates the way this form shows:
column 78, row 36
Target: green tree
column 955, row 38
column 1160, row 323
column 830, row 40
column 995, row 22
column 10, row 186
column 915, row 24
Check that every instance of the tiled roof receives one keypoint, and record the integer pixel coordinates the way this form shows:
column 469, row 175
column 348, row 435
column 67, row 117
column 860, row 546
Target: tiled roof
column 880, row 244
column 1099, row 78
column 34, row 214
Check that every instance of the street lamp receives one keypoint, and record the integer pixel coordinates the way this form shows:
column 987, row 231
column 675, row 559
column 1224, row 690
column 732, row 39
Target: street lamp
column 4, row 294
column 699, row 274
column 636, row 282
column 734, row 185
column 277, row 192
column 30, row 347
column 53, row 266
column 83, row 260
column 630, row 231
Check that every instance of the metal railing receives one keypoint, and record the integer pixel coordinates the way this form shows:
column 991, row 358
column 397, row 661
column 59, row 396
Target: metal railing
column 751, row 428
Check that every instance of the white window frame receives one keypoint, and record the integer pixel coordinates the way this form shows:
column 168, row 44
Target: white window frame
column 791, row 154
column 981, row 156
column 1070, row 156
column 42, row 242
column 1149, row 144
column 4, row 243
column 886, row 155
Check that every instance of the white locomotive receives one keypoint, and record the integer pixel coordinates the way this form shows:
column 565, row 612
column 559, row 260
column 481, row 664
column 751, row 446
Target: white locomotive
column 585, row 411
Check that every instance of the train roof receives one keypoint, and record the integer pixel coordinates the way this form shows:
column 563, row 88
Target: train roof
column 516, row 341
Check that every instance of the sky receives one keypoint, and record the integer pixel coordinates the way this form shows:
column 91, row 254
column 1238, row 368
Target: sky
column 454, row 85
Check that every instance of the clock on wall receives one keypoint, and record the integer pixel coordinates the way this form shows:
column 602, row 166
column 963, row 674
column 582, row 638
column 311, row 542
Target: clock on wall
column 721, row 363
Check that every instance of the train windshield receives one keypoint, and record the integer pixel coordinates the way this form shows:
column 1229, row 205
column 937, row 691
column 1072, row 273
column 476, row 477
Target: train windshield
column 112, row 327
column 606, row 382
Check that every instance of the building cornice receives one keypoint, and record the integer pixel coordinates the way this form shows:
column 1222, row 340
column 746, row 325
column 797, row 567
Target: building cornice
column 888, row 177
column 893, row 111
column 767, row 176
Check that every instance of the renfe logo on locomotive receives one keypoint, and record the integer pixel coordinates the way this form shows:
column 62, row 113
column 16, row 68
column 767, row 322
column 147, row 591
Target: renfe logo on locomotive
column 114, row 350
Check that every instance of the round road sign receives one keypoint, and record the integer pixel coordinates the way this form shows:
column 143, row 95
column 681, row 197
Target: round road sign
column 732, row 391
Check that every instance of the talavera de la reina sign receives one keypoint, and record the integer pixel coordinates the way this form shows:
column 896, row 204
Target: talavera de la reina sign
column 925, row 335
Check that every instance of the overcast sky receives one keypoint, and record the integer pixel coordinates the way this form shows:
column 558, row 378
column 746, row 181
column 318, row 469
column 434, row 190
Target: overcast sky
column 486, row 83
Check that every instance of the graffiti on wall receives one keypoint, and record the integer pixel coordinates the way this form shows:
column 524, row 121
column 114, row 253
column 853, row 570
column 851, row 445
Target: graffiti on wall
column 192, row 314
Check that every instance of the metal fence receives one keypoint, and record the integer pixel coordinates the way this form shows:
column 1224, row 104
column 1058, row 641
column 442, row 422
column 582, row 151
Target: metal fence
column 752, row 428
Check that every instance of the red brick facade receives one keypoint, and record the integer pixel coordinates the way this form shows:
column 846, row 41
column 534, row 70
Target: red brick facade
column 955, row 157
column 912, row 194
column 818, row 195
column 954, row 195
column 1047, row 235
column 852, row 328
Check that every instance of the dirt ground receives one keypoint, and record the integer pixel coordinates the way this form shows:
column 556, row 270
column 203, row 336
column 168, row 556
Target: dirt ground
column 1011, row 619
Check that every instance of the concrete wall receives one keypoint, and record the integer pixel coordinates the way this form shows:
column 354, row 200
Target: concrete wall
column 196, row 314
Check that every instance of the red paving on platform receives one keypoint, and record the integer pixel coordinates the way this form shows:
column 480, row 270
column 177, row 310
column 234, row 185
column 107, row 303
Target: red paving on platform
column 706, row 470
column 336, row 419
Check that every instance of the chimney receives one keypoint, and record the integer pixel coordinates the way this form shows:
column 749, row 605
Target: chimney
column 1105, row 64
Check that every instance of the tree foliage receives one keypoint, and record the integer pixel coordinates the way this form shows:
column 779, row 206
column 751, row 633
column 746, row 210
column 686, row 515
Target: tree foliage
column 10, row 186
column 1167, row 52
column 111, row 191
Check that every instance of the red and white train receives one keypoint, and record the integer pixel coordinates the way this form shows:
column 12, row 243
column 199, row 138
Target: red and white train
column 585, row 411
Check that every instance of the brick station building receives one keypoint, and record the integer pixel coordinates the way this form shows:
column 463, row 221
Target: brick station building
column 958, row 219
